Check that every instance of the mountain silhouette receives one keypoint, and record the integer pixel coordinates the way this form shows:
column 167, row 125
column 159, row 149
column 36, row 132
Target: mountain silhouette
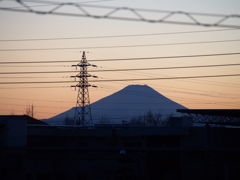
column 131, row 101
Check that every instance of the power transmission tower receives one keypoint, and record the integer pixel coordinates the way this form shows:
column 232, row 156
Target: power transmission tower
column 83, row 115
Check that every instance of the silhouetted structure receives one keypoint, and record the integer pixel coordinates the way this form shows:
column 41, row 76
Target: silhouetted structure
column 213, row 116
column 180, row 151
column 83, row 115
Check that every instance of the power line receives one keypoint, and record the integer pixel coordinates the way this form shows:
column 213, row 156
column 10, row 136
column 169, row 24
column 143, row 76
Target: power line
column 41, row 100
column 125, row 92
column 130, row 92
column 193, row 81
column 188, row 98
column 197, row 81
column 71, row 71
column 123, row 59
column 222, row 93
column 190, row 89
column 121, row 46
column 138, row 14
column 38, row 106
column 22, row 111
column 126, row 84
column 36, row 72
column 116, row 70
column 37, row 87
column 181, row 98
column 234, row 85
column 37, row 66
column 181, row 67
column 10, row 104
column 168, row 57
column 109, row 80
column 139, row 69
column 166, row 78
column 114, row 36
column 98, row 109
column 234, row 97
column 33, row 77
column 203, row 94
column 51, row 3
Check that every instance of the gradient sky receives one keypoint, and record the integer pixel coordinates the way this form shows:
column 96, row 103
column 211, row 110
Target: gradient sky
column 52, row 99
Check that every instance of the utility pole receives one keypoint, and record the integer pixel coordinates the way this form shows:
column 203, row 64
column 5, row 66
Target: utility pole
column 83, row 115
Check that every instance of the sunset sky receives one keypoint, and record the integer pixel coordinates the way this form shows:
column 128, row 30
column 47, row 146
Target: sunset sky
column 31, row 37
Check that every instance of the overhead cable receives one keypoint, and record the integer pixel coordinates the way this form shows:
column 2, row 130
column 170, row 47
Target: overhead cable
column 41, row 100
column 138, row 14
column 120, row 46
column 109, row 80
column 107, row 70
column 114, row 36
column 124, row 59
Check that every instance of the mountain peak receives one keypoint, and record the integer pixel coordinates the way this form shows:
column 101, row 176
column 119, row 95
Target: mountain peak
column 137, row 87
column 145, row 89
column 129, row 102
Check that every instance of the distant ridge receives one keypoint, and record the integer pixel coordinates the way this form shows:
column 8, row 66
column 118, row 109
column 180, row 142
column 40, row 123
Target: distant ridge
column 131, row 101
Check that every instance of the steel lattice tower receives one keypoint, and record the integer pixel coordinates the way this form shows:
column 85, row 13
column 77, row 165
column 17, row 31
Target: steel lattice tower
column 83, row 115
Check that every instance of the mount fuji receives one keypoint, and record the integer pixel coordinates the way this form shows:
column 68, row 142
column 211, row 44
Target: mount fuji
column 131, row 101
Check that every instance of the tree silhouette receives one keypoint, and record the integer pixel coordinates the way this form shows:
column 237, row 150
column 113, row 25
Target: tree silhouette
column 30, row 110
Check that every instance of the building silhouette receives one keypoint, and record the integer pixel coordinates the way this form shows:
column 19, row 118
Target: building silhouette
column 182, row 150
